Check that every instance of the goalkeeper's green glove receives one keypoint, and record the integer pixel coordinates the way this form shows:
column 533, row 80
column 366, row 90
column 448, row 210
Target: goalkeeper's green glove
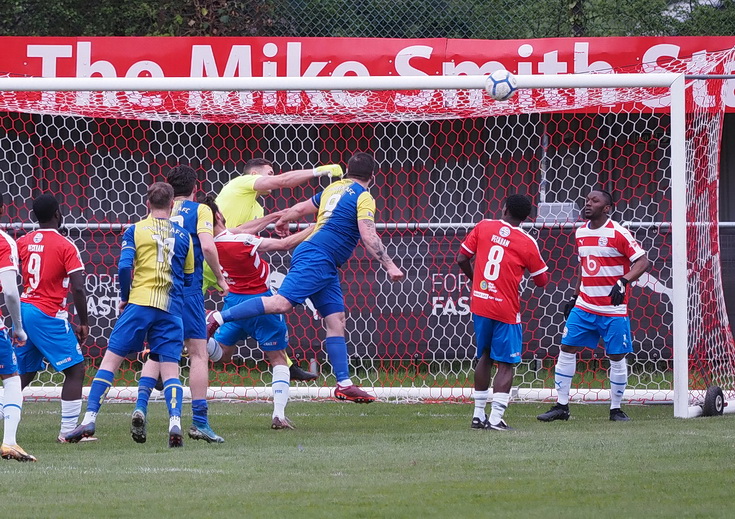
column 332, row 170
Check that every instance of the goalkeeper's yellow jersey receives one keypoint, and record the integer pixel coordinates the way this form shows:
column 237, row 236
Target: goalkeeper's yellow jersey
column 238, row 203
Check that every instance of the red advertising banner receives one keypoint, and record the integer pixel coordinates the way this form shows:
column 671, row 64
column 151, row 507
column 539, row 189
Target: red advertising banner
column 308, row 57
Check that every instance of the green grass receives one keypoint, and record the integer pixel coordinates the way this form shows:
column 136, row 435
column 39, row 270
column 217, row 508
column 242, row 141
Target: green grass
column 382, row 460
column 592, row 374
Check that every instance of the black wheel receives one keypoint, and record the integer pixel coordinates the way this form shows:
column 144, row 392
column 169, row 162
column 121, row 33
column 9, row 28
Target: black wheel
column 714, row 402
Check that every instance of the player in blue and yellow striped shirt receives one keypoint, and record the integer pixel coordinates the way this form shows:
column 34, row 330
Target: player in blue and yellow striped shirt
column 156, row 262
column 198, row 221
column 345, row 215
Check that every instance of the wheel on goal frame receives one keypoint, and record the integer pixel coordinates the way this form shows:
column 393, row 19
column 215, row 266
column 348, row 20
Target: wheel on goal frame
column 714, row 402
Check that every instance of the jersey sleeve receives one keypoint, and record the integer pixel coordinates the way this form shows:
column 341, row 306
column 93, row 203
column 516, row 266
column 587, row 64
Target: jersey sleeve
column 127, row 249
column 189, row 262
column 205, row 220
column 72, row 258
column 469, row 245
column 536, row 264
column 366, row 207
column 317, row 199
column 627, row 245
column 8, row 254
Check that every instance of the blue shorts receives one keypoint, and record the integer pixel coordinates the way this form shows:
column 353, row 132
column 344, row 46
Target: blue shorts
column 193, row 315
column 313, row 275
column 49, row 337
column 269, row 330
column 584, row 330
column 164, row 332
column 8, row 362
column 502, row 341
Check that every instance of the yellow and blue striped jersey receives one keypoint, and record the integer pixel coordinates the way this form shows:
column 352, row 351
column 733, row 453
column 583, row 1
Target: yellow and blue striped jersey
column 341, row 205
column 195, row 219
column 161, row 254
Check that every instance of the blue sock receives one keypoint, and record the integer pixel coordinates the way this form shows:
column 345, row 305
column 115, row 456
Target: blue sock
column 145, row 386
column 174, row 393
column 245, row 310
column 337, row 354
column 100, row 386
column 199, row 412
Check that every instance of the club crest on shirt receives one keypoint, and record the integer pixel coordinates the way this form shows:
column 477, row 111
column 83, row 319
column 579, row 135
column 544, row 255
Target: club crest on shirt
column 602, row 242
column 38, row 237
column 504, row 232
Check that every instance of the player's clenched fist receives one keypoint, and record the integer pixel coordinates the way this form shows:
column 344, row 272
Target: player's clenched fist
column 395, row 274
column 331, row 170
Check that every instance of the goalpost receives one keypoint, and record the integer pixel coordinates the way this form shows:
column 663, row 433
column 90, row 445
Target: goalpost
column 449, row 155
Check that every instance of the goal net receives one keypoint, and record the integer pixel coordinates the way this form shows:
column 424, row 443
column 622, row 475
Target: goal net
column 449, row 155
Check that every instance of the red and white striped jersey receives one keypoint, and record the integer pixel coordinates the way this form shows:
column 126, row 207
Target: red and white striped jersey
column 605, row 254
column 503, row 253
column 8, row 260
column 48, row 258
column 246, row 272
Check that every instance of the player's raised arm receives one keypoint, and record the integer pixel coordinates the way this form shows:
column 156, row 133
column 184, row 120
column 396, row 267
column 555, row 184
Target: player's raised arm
column 287, row 243
column 296, row 178
column 257, row 225
column 295, row 213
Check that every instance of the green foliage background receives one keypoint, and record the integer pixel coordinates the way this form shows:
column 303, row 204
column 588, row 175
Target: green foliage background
column 482, row 19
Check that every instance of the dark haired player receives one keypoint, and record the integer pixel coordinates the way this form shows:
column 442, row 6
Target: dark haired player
column 502, row 252
column 610, row 259
column 238, row 202
column 51, row 266
column 345, row 214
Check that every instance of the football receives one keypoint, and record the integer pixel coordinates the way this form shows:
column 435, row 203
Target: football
column 501, row 85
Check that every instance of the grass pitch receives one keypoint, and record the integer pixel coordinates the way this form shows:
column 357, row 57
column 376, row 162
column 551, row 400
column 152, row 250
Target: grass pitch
column 379, row 460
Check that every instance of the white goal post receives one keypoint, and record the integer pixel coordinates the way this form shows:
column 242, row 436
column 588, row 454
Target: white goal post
column 681, row 396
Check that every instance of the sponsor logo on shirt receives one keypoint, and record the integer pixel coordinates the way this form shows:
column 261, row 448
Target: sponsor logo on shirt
column 602, row 242
column 505, row 232
column 38, row 237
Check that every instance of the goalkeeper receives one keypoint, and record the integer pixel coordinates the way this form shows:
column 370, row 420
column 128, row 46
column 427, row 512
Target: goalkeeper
column 238, row 203
column 610, row 259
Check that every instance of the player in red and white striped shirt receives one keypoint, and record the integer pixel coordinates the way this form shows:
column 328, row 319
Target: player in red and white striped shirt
column 610, row 259
column 502, row 252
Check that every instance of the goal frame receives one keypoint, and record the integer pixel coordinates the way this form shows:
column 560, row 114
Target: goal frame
column 675, row 82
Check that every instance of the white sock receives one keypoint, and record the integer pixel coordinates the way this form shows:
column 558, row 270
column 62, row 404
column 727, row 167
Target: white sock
column 500, row 404
column 70, row 411
column 345, row 383
column 566, row 367
column 12, row 406
column 480, row 403
column 280, row 386
column 174, row 421
column 618, row 381
column 214, row 350
column 89, row 417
